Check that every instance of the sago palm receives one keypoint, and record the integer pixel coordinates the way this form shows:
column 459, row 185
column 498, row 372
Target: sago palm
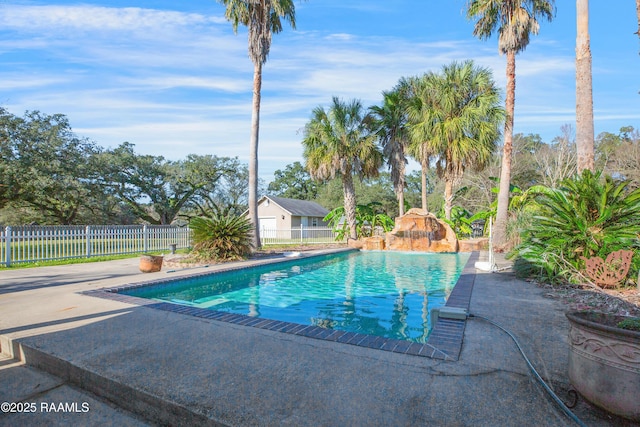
column 221, row 237
column 338, row 143
column 459, row 117
column 263, row 18
column 586, row 216
column 515, row 21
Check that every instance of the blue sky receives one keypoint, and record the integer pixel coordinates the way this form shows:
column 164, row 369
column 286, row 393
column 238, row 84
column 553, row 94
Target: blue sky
column 173, row 79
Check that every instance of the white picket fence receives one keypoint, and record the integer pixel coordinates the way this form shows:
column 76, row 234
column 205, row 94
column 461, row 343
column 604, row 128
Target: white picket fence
column 301, row 235
column 23, row 244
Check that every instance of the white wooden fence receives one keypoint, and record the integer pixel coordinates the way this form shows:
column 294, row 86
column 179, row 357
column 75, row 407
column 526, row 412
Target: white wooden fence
column 301, row 235
column 22, row 244
column 40, row 243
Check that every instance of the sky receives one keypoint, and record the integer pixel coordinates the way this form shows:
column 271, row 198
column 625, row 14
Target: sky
column 174, row 79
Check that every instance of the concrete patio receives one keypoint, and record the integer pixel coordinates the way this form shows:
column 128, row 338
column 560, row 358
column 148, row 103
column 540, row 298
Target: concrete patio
column 134, row 365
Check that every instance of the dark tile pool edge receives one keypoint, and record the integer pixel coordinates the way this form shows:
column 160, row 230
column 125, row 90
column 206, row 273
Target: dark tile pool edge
column 444, row 342
column 447, row 334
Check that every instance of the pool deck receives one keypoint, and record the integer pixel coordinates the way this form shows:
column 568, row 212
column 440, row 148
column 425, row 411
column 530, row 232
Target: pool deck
column 136, row 365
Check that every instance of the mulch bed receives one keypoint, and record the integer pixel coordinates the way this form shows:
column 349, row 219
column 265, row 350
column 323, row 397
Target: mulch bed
column 621, row 302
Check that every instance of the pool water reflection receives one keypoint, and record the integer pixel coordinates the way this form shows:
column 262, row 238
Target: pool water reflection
column 388, row 294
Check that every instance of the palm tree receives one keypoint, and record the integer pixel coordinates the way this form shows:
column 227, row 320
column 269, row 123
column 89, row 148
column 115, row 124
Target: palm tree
column 460, row 118
column 263, row 18
column 419, row 149
column 390, row 121
column 338, row 142
column 584, row 90
column 514, row 20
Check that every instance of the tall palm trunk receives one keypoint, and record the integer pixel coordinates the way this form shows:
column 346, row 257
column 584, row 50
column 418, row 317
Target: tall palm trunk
column 500, row 229
column 400, row 185
column 584, row 90
column 423, row 182
column 350, row 203
column 448, row 197
column 253, row 154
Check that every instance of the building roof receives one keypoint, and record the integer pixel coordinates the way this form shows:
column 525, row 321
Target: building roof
column 298, row 207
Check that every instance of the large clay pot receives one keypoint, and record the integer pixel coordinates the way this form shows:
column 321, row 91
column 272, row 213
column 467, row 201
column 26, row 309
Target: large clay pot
column 604, row 362
column 150, row 263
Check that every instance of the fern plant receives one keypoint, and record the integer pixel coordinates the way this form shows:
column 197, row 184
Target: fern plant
column 586, row 216
column 221, row 237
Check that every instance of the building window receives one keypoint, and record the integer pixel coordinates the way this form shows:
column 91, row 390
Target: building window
column 314, row 222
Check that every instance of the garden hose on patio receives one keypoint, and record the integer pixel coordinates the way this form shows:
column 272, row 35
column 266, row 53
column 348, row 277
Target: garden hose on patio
column 535, row 373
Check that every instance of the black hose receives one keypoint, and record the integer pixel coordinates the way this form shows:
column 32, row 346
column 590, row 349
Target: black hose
column 535, row 373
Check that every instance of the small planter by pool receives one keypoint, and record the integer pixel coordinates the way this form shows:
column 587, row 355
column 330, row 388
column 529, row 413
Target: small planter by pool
column 604, row 362
column 150, row 263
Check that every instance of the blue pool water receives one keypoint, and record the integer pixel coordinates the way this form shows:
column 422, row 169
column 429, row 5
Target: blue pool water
column 387, row 294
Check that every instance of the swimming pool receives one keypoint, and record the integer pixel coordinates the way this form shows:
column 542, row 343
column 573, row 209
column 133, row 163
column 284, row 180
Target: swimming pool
column 381, row 293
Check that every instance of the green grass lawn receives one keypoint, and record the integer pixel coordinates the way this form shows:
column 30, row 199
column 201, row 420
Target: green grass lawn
column 82, row 260
column 295, row 245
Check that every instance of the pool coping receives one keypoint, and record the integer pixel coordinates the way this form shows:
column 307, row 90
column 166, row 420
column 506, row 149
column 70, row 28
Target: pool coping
column 444, row 342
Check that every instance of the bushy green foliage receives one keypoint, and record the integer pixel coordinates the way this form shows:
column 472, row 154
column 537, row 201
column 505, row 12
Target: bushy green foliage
column 368, row 218
column 294, row 182
column 460, row 222
column 221, row 237
column 588, row 215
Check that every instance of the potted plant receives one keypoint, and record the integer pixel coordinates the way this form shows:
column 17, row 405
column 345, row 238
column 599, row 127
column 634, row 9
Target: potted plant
column 604, row 360
column 150, row 263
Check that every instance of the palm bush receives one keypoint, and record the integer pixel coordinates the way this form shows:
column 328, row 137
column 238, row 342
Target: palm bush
column 587, row 216
column 221, row 237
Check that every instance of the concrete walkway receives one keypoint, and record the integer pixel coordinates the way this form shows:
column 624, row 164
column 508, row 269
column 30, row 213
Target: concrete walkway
column 134, row 365
column 40, row 395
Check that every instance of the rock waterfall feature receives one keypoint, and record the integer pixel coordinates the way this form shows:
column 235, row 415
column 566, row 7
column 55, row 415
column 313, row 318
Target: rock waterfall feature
column 418, row 231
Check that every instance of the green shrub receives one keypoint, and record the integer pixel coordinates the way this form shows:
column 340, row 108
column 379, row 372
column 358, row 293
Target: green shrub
column 630, row 324
column 460, row 221
column 519, row 219
column 586, row 216
column 221, row 237
column 368, row 218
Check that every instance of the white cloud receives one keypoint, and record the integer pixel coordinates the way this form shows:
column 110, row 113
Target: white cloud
column 89, row 18
column 222, row 83
column 10, row 82
column 340, row 37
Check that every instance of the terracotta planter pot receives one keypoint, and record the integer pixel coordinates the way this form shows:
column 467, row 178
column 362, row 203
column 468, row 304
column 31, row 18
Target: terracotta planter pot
column 150, row 263
column 604, row 362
